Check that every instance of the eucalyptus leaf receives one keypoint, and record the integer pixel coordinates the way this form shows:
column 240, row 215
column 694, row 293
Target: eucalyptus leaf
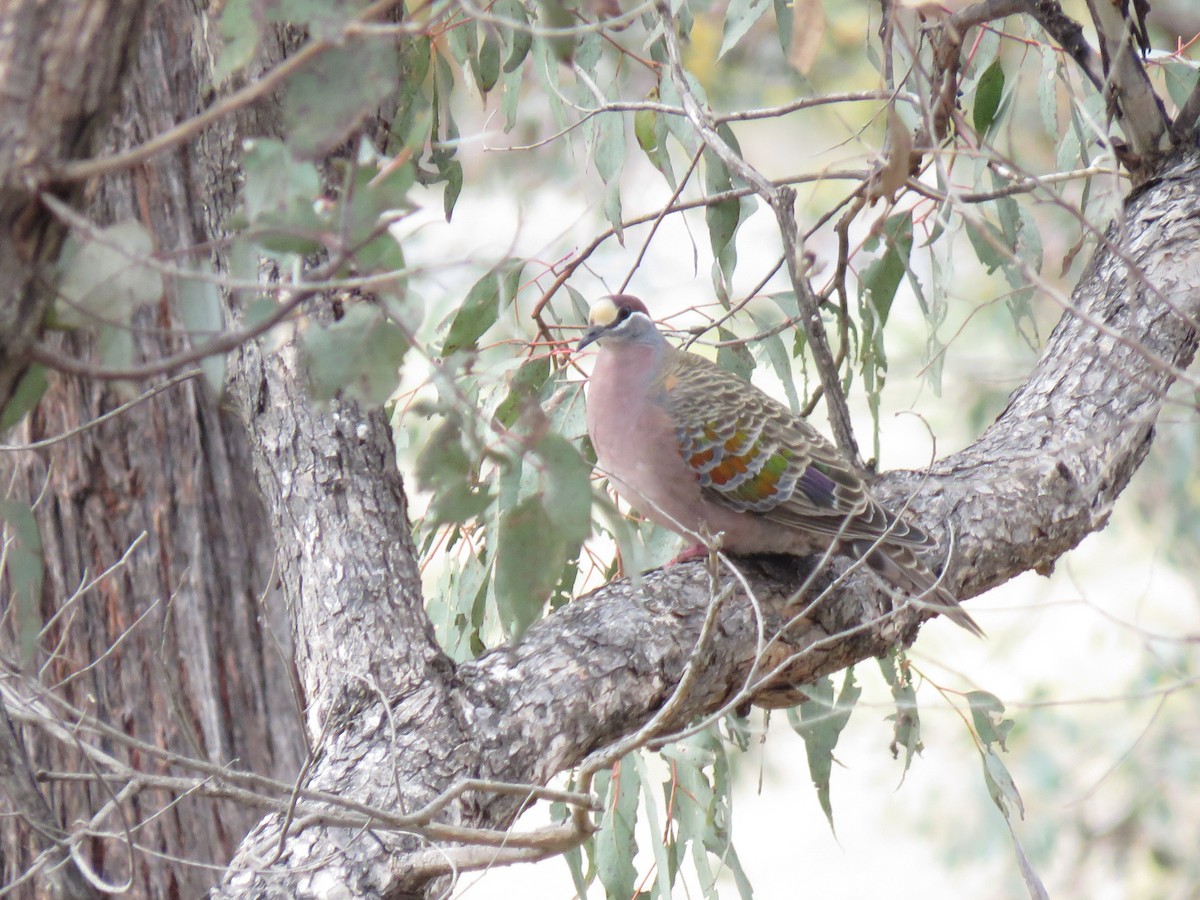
column 529, row 557
column 820, row 720
column 615, row 846
column 482, row 307
column 358, row 356
column 25, row 396
column 333, row 94
column 104, row 276
column 200, row 307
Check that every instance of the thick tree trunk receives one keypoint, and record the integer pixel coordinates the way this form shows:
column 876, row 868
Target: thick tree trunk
column 188, row 635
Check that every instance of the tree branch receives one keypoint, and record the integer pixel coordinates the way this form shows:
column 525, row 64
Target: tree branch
column 1041, row 478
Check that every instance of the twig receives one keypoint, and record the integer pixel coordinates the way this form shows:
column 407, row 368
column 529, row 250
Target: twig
column 782, row 202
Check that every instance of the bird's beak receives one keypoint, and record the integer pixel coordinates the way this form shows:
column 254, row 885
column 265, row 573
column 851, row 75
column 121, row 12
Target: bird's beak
column 593, row 332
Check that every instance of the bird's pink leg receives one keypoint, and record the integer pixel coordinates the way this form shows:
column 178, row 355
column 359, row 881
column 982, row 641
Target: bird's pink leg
column 696, row 551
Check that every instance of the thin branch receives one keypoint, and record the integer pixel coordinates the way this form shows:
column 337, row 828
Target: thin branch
column 782, row 203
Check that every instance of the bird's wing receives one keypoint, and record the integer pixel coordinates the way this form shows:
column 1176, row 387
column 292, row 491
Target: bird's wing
column 751, row 454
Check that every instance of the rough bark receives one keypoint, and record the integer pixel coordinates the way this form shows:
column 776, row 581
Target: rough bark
column 207, row 672
column 61, row 65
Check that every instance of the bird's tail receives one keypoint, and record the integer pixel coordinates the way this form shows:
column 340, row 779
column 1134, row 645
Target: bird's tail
column 900, row 566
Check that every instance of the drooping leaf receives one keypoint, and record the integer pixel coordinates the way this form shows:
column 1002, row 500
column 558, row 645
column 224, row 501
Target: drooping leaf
column 482, row 307
column 906, row 719
column 740, row 17
column 486, row 63
column 200, row 308
column 664, row 871
column 986, row 241
column 882, row 276
column 987, row 97
column 1003, row 791
column 820, row 720
column 609, row 157
column 736, row 357
column 525, row 384
column 519, row 39
column 529, row 557
column 987, row 715
column 615, row 846
column 568, row 489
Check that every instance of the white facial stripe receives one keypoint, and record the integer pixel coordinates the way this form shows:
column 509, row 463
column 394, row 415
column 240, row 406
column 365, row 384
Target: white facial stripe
column 635, row 314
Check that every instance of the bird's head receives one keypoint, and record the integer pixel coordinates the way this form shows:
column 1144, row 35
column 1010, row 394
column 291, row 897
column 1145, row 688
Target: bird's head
column 619, row 318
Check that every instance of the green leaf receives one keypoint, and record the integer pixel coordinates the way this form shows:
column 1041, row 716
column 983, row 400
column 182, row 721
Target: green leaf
column 651, row 133
column 906, row 719
column 330, row 97
column 568, row 490
column 740, row 18
column 524, row 385
column 443, row 458
column 279, row 195
column 480, row 310
column 722, row 218
column 881, row 278
column 1003, row 791
column 987, row 97
column 240, row 35
column 486, row 64
column 521, row 39
column 24, row 571
column 452, row 173
column 1180, row 78
column 664, row 872
column 735, row 358
column 986, row 239
column 200, row 308
column 378, row 194
column 610, row 159
column 459, row 502
column 25, row 396
column 359, row 356
column 275, row 179
column 820, row 720
column 987, row 714
column 106, row 276
column 615, row 846
column 529, row 557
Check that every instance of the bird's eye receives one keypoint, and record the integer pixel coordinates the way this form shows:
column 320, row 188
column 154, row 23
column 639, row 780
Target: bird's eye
column 624, row 313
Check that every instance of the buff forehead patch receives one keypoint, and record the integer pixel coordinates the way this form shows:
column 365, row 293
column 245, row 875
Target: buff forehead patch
column 602, row 313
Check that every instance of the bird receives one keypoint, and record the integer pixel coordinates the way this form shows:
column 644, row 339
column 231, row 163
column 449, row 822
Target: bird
column 701, row 451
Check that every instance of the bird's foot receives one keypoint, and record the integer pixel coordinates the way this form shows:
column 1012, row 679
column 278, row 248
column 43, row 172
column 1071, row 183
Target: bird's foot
column 696, row 551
